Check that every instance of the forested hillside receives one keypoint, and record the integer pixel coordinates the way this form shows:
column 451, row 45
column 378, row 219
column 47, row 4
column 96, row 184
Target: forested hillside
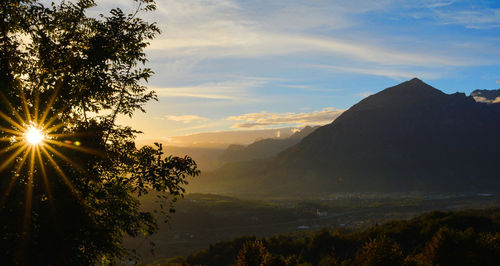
column 436, row 238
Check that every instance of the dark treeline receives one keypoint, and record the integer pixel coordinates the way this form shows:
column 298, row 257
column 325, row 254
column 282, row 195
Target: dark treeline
column 437, row 238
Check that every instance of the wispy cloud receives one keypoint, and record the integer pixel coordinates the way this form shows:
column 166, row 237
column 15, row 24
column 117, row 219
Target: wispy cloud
column 222, row 30
column 258, row 44
column 186, row 118
column 308, row 87
column 266, row 119
column 377, row 71
column 222, row 90
column 475, row 18
column 364, row 94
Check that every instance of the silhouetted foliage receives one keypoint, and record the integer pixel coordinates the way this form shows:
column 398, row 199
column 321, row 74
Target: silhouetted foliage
column 379, row 251
column 78, row 74
column 252, row 253
column 437, row 238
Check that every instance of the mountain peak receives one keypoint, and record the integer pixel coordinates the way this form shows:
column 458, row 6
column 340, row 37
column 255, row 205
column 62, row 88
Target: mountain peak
column 416, row 80
column 411, row 90
column 415, row 84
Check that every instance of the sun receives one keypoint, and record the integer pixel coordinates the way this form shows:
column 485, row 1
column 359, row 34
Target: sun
column 34, row 135
column 35, row 140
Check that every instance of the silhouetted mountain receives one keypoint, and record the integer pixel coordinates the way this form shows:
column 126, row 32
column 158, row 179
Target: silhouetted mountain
column 486, row 96
column 263, row 148
column 407, row 137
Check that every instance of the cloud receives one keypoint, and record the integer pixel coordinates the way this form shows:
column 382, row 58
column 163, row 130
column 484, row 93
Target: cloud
column 260, row 43
column 231, row 29
column 364, row 94
column 377, row 71
column 266, row 119
column 223, row 90
column 474, row 18
column 179, row 92
column 186, row 118
column 498, row 81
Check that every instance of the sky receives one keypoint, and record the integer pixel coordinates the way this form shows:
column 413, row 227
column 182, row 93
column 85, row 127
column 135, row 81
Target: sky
column 245, row 65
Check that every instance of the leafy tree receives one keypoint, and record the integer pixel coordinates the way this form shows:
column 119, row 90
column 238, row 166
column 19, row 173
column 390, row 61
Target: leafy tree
column 330, row 260
column 252, row 253
column 71, row 198
column 457, row 247
column 380, row 251
column 321, row 245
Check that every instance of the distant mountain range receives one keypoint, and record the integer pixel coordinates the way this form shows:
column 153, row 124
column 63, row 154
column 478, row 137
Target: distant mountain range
column 209, row 157
column 222, row 139
column 263, row 148
column 410, row 137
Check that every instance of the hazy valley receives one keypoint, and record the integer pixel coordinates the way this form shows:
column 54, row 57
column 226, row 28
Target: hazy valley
column 250, row 133
column 302, row 183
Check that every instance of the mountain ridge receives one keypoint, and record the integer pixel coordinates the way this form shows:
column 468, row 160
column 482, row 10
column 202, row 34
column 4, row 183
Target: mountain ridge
column 263, row 148
column 407, row 137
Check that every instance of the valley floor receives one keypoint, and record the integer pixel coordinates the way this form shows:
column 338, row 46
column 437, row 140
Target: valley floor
column 204, row 219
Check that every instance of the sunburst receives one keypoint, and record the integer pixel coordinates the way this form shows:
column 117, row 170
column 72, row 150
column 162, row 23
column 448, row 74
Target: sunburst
column 34, row 136
column 33, row 141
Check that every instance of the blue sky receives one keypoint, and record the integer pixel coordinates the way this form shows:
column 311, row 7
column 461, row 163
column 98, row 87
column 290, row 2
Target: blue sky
column 235, row 65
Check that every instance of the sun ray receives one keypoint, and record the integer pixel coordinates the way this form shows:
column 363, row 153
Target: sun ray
column 66, row 181
column 29, row 193
column 12, row 122
column 11, row 107
column 12, row 157
column 36, row 105
column 28, row 202
column 50, row 103
column 55, row 117
column 14, row 176
column 78, row 148
column 25, row 105
column 21, row 163
column 42, row 153
column 45, row 181
column 62, row 174
column 11, row 131
column 11, row 147
column 53, row 128
column 65, row 158
column 72, row 134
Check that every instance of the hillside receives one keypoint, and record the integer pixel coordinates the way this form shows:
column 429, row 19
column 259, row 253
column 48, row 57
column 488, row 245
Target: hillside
column 437, row 238
column 263, row 148
column 410, row 137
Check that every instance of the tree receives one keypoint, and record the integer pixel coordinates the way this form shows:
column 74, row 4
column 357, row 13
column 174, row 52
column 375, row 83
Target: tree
column 71, row 177
column 252, row 253
column 379, row 251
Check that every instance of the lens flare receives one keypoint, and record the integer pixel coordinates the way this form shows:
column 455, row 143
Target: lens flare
column 34, row 135
column 31, row 135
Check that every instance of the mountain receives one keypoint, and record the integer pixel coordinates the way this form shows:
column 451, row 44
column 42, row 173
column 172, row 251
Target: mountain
column 486, row 96
column 263, row 148
column 221, row 139
column 204, row 157
column 410, row 137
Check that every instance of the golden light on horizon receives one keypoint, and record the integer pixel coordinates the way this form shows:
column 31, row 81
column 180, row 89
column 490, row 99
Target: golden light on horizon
column 34, row 135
